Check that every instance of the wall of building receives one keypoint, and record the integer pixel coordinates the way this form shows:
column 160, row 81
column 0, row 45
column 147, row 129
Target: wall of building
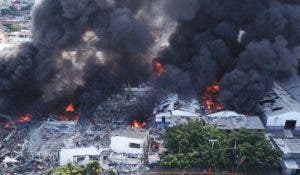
column 278, row 121
column 121, row 144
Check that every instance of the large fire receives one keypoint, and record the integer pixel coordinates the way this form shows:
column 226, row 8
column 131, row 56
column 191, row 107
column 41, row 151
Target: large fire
column 158, row 67
column 69, row 114
column 22, row 119
column 70, row 108
column 211, row 98
column 138, row 124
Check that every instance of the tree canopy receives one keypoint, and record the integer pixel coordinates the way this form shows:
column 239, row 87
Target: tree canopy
column 92, row 168
column 197, row 145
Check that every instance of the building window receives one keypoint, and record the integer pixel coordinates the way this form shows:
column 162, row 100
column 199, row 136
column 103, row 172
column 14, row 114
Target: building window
column 80, row 158
column 93, row 157
column 290, row 124
column 134, row 145
column 133, row 156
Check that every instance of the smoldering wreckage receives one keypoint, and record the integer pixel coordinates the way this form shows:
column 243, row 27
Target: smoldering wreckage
column 72, row 86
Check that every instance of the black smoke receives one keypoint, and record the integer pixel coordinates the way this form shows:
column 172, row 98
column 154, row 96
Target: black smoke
column 243, row 44
column 58, row 25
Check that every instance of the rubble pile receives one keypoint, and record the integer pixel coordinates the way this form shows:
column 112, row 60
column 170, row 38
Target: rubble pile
column 114, row 109
column 34, row 147
column 13, row 156
column 51, row 136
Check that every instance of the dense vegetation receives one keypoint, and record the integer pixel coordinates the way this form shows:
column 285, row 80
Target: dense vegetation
column 197, row 145
column 92, row 168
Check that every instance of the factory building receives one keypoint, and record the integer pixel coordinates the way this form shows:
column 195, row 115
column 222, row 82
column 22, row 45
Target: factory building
column 230, row 120
column 173, row 111
column 281, row 110
column 291, row 155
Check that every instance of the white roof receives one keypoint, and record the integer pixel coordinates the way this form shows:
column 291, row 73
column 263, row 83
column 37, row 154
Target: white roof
column 177, row 107
column 225, row 114
column 279, row 101
column 288, row 146
column 291, row 164
column 9, row 160
column 66, row 154
column 7, row 46
column 288, row 115
column 120, row 144
column 178, row 113
column 292, row 86
column 230, row 120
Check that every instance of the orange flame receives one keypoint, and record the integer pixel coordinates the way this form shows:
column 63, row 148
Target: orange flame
column 137, row 124
column 211, row 100
column 70, row 108
column 70, row 114
column 23, row 119
column 159, row 68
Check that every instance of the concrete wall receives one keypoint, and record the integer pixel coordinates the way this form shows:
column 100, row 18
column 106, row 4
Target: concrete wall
column 280, row 119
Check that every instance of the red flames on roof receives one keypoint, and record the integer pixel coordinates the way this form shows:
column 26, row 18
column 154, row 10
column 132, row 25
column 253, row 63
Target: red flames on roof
column 22, row 119
column 211, row 98
column 70, row 108
column 69, row 114
column 138, row 124
column 158, row 68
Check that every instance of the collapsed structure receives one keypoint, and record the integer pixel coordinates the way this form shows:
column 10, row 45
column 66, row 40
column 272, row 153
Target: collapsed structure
column 172, row 111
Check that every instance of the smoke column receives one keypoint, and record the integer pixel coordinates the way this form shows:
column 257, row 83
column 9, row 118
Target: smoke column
column 59, row 25
column 244, row 45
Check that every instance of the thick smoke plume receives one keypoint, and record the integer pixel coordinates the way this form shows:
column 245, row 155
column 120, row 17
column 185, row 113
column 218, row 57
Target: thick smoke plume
column 244, row 45
column 59, row 25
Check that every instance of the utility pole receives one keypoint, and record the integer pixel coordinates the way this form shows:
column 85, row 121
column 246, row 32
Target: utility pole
column 213, row 141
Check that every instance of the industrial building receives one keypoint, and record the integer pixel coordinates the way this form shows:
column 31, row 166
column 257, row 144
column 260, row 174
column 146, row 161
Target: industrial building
column 173, row 111
column 281, row 110
column 291, row 155
column 230, row 120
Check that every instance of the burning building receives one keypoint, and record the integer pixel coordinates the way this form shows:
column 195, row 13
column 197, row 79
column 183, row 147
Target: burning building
column 206, row 57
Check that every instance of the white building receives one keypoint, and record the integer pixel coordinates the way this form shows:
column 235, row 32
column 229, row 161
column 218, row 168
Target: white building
column 230, row 120
column 79, row 156
column 173, row 111
column 281, row 110
column 291, row 155
column 128, row 148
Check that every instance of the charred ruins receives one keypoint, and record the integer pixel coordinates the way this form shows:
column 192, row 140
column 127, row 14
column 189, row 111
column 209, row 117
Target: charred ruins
column 97, row 69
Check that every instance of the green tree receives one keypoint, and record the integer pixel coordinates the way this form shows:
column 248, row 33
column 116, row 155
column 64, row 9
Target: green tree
column 68, row 169
column 93, row 168
column 203, row 146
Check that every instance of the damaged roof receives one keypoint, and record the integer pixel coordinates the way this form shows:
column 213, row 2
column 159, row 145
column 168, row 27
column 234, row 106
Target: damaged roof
column 230, row 120
column 279, row 101
column 173, row 103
